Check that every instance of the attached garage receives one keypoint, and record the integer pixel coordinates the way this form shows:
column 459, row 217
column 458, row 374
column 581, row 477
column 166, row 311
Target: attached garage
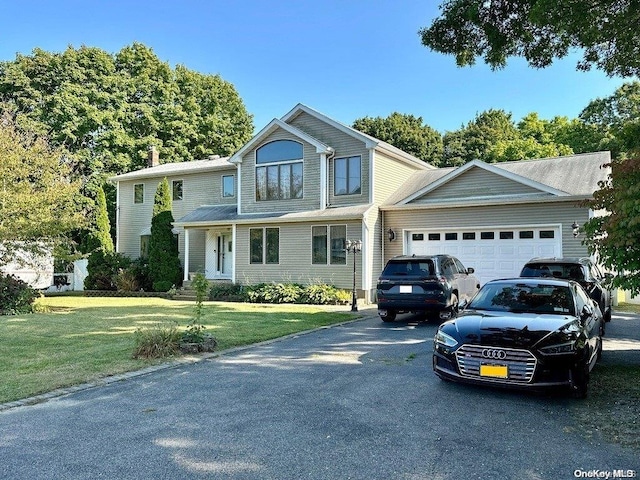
column 495, row 217
column 496, row 252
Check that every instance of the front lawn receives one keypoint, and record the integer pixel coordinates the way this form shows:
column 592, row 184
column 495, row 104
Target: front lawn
column 80, row 339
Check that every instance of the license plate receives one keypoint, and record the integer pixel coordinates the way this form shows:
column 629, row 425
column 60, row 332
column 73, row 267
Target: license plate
column 406, row 289
column 496, row 371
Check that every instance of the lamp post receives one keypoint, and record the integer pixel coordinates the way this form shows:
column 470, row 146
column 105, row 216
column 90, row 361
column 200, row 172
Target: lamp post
column 354, row 246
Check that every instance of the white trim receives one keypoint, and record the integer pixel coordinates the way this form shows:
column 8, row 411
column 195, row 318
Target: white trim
column 234, row 236
column 185, row 275
column 117, row 216
column 512, row 200
column 239, row 195
column 323, row 181
column 270, row 128
column 372, row 167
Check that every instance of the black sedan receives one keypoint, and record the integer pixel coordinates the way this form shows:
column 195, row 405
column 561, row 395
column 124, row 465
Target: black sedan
column 523, row 333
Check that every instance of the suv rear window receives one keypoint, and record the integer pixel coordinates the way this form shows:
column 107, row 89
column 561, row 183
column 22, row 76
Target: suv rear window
column 413, row 268
column 555, row 270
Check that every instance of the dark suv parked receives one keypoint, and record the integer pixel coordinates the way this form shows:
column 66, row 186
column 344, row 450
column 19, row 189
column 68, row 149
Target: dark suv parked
column 431, row 284
column 582, row 270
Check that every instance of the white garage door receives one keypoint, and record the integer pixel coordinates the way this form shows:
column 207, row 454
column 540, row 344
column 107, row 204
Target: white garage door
column 493, row 253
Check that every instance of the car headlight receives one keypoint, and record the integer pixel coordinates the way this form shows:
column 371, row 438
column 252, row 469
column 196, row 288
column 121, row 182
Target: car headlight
column 444, row 339
column 558, row 349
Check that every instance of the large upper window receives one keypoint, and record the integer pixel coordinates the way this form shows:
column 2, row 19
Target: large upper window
column 279, row 172
column 347, row 176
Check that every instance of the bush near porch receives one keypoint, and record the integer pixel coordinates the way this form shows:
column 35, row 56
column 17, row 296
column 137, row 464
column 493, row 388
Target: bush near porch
column 313, row 294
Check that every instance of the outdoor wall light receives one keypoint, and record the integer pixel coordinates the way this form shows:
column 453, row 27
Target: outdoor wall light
column 576, row 229
column 391, row 235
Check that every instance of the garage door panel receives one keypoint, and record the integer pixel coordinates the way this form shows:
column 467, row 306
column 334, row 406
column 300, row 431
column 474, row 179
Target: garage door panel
column 492, row 257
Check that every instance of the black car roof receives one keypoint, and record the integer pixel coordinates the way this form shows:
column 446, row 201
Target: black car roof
column 580, row 260
column 559, row 282
column 418, row 257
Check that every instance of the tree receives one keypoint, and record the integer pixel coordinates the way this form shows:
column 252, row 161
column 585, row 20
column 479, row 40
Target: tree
column 406, row 132
column 617, row 118
column 540, row 31
column 164, row 263
column 100, row 236
column 614, row 236
column 38, row 203
column 107, row 110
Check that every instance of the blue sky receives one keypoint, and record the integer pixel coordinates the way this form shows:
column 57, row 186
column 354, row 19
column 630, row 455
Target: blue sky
column 346, row 59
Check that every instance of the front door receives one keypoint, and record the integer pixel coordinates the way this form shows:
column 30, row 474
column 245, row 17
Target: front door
column 225, row 249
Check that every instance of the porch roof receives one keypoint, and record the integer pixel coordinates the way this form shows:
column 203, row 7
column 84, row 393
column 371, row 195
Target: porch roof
column 211, row 215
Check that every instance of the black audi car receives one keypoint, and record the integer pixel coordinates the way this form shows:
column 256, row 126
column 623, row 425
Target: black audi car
column 526, row 333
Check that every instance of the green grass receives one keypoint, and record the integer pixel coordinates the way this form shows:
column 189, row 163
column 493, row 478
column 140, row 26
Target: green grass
column 80, row 339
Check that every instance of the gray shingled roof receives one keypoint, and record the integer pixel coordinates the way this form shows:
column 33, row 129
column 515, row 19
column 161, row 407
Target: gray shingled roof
column 177, row 168
column 576, row 175
column 225, row 214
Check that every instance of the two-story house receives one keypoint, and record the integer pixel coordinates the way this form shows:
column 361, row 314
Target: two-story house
column 284, row 205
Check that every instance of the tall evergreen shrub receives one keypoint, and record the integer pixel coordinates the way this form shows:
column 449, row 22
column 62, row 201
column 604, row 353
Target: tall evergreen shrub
column 164, row 264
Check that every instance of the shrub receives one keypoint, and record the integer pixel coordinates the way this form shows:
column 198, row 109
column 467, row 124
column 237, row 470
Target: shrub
column 140, row 268
column 229, row 292
column 16, row 296
column 103, row 269
column 161, row 340
column 162, row 286
column 324, row 294
column 126, row 281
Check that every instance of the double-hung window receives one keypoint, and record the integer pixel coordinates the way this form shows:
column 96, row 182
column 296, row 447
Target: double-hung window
column 264, row 245
column 347, row 176
column 328, row 244
column 138, row 193
column 177, row 187
column 279, row 170
column 228, row 186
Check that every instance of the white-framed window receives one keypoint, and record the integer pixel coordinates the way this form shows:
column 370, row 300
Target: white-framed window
column 279, row 170
column 264, row 245
column 228, row 186
column 328, row 244
column 138, row 193
column 176, row 188
column 347, row 176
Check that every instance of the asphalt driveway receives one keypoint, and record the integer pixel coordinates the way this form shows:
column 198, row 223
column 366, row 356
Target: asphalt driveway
column 355, row 401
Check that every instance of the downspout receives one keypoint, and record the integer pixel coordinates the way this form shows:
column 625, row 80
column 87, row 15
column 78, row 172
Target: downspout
column 118, row 217
column 185, row 276
column 323, row 180
column 239, row 174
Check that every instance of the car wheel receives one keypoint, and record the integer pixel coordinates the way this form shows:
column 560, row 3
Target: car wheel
column 579, row 382
column 387, row 316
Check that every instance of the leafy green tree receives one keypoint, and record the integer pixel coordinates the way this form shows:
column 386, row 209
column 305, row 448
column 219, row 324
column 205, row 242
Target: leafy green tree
column 406, row 132
column 108, row 109
column 540, row 31
column 617, row 117
column 614, row 236
column 38, row 202
column 164, row 264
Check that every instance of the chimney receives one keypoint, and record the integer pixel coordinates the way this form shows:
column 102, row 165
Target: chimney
column 153, row 160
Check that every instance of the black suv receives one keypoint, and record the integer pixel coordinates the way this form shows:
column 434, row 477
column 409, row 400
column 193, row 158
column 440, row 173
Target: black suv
column 582, row 270
column 430, row 284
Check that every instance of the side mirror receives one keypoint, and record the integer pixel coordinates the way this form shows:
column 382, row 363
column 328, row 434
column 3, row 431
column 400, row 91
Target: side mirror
column 463, row 304
column 587, row 311
column 470, row 270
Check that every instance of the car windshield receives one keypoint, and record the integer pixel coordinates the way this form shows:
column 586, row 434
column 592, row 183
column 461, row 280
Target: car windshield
column 524, row 298
column 555, row 270
column 411, row 268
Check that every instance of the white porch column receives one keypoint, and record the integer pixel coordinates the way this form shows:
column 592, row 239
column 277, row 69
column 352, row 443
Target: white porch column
column 186, row 255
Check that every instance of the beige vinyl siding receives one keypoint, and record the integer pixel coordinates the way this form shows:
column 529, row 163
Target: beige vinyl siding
column 344, row 145
column 295, row 258
column 389, row 175
column 564, row 213
column 476, row 182
column 311, row 180
column 203, row 188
